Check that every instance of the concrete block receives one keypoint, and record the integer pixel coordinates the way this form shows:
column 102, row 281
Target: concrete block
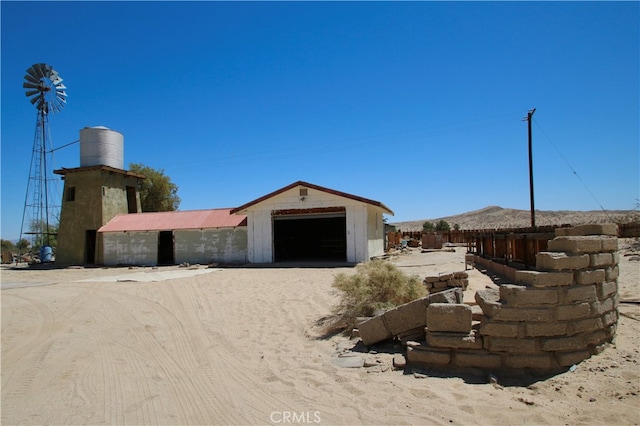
column 413, row 334
column 448, row 317
column 441, row 284
column 477, row 359
column 589, row 277
column 428, row 356
column 517, row 295
column 513, row 346
column 585, row 326
column 598, row 260
column 610, row 318
column 544, row 361
column 601, row 307
column 544, row 279
column 476, row 313
column 563, row 344
column 431, row 279
column 576, row 245
column 586, row 293
column 591, row 229
column 566, row 359
column 373, row 331
column 488, row 300
column 499, row 329
column 611, row 274
column 610, row 244
column 606, row 289
column 545, row 329
column 616, row 257
column 406, row 317
column 552, row 261
column 460, row 275
column 453, row 295
column 445, row 276
column 597, row 337
column 573, row 312
column 454, row 340
column 524, row 314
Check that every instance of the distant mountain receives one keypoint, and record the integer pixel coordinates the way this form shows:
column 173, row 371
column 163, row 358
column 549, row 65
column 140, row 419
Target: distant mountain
column 494, row 217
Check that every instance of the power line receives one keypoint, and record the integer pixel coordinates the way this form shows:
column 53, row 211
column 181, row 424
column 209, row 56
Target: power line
column 572, row 169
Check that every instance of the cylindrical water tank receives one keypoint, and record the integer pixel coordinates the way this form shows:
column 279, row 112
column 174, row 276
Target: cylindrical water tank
column 100, row 146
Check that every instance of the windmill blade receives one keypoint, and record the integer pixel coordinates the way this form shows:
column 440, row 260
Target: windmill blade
column 39, row 71
column 60, row 86
column 47, row 70
column 27, row 85
column 61, row 93
column 32, row 92
column 34, row 100
column 32, row 76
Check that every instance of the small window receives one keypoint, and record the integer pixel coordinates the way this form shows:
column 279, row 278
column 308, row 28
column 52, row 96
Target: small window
column 303, row 192
column 71, row 193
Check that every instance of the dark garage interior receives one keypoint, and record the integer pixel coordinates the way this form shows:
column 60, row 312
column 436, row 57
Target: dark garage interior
column 310, row 238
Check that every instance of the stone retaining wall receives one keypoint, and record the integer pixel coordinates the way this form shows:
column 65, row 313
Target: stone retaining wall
column 553, row 317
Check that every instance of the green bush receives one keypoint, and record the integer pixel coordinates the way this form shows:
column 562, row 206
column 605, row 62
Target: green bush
column 376, row 286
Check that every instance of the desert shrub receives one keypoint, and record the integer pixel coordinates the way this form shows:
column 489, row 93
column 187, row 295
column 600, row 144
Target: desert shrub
column 376, row 286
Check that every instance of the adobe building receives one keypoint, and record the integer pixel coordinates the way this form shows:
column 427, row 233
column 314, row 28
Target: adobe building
column 93, row 194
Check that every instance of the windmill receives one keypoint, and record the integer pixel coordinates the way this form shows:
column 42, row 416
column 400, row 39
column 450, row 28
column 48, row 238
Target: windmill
column 46, row 92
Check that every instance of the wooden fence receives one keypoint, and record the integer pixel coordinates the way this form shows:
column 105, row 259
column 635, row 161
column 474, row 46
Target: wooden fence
column 515, row 247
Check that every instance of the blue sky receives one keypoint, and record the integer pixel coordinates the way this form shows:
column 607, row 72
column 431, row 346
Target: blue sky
column 418, row 105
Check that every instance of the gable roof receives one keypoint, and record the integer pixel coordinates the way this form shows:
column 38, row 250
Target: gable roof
column 318, row 188
column 170, row 221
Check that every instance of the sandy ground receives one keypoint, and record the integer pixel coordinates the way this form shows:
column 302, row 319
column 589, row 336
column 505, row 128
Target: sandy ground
column 242, row 346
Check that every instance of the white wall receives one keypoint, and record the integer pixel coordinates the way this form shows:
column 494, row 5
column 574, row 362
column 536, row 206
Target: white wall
column 204, row 246
column 220, row 245
column 130, row 248
column 375, row 229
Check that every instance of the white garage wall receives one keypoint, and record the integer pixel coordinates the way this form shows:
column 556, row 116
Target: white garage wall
column 260, row 223
column 375, row 231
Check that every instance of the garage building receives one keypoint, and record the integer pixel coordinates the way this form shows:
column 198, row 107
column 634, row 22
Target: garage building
column 303, row 221
column 300, row 222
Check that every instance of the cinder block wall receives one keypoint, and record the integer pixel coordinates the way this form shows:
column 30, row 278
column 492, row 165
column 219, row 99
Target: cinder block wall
column 553, row 317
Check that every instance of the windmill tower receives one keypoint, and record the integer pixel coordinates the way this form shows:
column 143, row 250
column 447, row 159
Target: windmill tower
column 46, row 92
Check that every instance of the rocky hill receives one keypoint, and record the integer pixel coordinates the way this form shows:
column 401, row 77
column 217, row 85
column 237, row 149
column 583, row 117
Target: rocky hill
column 495, row 217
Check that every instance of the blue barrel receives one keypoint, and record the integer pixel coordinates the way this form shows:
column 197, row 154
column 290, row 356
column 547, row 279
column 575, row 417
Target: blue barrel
column 46, row 254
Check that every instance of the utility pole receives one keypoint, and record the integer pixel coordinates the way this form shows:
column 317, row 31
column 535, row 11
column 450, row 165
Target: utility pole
column 533, row 209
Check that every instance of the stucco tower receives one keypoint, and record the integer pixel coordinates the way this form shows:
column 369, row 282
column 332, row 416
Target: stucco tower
column 93, row 194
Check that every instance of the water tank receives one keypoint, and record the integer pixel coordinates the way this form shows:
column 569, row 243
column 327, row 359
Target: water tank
column 100, row 146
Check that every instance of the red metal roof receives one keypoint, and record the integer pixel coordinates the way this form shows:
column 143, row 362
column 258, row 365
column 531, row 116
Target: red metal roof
column 169, row 221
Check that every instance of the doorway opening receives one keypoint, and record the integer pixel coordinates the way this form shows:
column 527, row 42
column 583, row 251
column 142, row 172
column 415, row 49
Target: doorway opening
column 165, row 248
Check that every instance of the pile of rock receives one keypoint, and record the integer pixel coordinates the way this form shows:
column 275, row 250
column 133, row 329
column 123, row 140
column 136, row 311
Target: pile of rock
column 445, row 280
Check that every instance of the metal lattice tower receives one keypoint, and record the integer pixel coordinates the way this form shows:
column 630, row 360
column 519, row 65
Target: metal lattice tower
column 41, row 208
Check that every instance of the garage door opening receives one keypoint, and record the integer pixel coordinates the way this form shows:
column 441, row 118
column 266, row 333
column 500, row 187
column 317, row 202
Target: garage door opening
column 322, row 237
